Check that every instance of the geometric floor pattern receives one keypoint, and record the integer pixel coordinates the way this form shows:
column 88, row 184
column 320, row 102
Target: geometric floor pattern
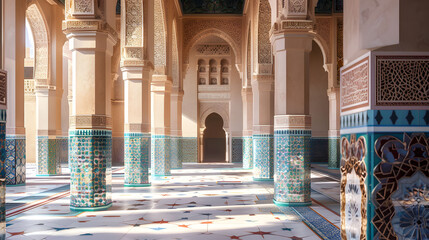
column 200, row 201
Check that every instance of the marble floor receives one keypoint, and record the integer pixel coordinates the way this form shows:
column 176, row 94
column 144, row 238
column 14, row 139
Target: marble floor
column 200, row 201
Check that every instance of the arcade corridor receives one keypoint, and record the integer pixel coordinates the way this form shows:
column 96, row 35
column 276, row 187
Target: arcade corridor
column 200, row 201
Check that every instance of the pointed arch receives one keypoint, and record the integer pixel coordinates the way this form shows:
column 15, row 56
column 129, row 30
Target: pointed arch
column 40, row 32
column 160, row 41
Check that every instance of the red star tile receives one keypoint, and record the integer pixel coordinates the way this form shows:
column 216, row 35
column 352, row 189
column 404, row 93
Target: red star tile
column 206, row 222
column 184, row 226
column 161, row 222
column 235, row 237
column 260, row 233
column 16, row 233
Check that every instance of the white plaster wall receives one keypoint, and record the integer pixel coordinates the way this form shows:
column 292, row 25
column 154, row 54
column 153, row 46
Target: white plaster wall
column 319, row 104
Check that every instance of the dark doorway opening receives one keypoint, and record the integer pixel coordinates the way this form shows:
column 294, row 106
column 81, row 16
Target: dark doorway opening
column 214, row 139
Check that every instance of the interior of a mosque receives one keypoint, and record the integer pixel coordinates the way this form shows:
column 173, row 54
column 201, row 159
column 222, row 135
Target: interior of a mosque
column 101, row 95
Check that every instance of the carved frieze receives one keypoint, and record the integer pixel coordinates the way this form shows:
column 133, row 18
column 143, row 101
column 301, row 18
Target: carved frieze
column 264, row 27
column 292, row 122
column 3, row 88
column 90, row 121
column 355, row 86
column 214, row 49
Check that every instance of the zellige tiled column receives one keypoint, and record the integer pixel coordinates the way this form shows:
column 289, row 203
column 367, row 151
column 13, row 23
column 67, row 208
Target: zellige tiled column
column 292, row 123
column 247, row 97
column 263, row 139
column 176, row 129
column 91, row 42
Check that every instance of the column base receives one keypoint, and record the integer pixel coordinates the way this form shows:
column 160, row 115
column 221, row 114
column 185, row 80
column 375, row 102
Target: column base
column 136, row 159
column 90, row 209
column 160, row 155
column 263, row 156
column 17, row 185
column 247, row 152
column 137, row 185
column 291, row 204
column 47, row 175
column 48, row 157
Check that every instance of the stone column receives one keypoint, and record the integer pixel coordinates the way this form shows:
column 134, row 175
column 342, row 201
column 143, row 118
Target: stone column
column 263, row 139
column 176, row 129
column 247, row 149
column 91, row 42
column 334, row 128
column 48, row 161
column 292, row 123
column 160, row 148
column 137, row 137
column 14, row 53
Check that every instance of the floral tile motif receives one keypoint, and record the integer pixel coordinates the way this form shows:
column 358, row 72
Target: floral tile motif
column 353, row 188
column 136, row 160
column 160, row 155
column 263, row 156
column 90, row 168
column 248, row 152
column 292, row 166
column 401, row 198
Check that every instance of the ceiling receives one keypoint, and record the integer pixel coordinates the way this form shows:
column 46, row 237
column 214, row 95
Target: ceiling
column 212, row 6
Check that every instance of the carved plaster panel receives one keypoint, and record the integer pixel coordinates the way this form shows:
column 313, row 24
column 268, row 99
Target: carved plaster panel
column 355, row 86
column 264, row 27
column 134, row 23
column 160, row 51
column 402, row 80
column 82, row 7
column 3, row 88
column 209, row 49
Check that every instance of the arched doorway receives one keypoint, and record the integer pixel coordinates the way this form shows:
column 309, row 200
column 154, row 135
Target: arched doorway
column 214, row 139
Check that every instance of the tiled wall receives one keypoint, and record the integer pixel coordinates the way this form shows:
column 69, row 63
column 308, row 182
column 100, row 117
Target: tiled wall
column 137, row 153
column 237, row 149
column 263, row 156
column 189, row 149
column 15, row 160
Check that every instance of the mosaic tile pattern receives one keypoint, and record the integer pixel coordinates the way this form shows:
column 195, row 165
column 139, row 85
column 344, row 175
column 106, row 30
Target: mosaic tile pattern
column 189, row 149
column 63, row 149
column 292, row 180
column 248, row 152
column 90, row 168
column 48, row 161
column 137, row 152
column 2, row 174
column 15, row 160
column 263, row 157
column 237, row 149
column 176, row 152
column 334, row 153
column 160, row 155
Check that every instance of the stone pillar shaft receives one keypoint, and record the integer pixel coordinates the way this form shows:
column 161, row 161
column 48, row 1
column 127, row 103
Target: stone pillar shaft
column 292, row 123
column 334, row 128
column 48, row 161
column 160, row 148
column 263, row 142
column 176, row 129
column 137, row 125
column 247, row 141
column 14, row 53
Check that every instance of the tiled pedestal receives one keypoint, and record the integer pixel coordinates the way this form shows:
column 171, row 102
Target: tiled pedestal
column 136, row 160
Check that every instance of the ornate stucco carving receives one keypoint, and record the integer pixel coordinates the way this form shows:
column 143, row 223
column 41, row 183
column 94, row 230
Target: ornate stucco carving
column 323, row 32
column 3, row 88
column 90, row 121
column 249, row 57
column 207, row 108
column 41, row 43
column 214, row 49
column 175, row 69
column 160, row 51
column 264, row 26
column 355, row 86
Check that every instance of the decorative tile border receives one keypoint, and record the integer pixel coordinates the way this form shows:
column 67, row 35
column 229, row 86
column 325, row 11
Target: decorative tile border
column 90, row 169
column 248, row 152
column 292, row 167
column 263, row 156
column 136, row 159
column 386, row 118
column 160, row 155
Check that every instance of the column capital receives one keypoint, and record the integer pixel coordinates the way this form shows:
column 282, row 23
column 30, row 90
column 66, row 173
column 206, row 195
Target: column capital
column 262, row 82
column 161, row 83
column 88, row 25
column 333, row 93
column 90, row 122
column 293, row 40
column 136, row 73
column 246, row 91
